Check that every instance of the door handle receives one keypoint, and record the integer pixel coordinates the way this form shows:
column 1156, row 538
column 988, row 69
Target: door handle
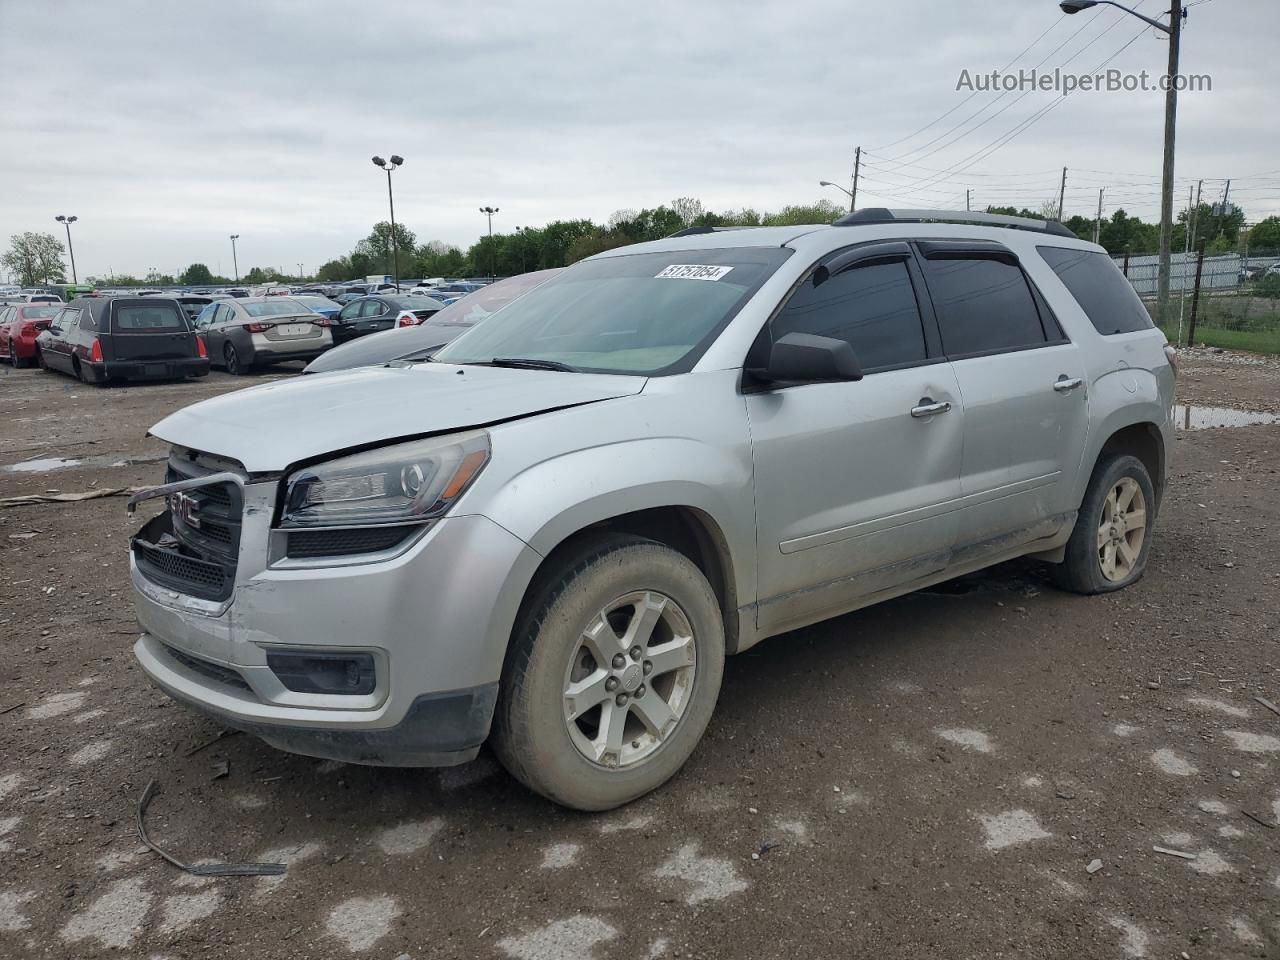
column 1065, row 383
column 927, row 408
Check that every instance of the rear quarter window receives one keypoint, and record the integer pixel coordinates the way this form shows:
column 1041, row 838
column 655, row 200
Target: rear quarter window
column 144, row 318
column 1102, row 291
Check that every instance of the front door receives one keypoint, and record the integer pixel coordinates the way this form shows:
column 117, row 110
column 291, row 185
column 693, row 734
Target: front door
column 1025, row 396
column 855, row 482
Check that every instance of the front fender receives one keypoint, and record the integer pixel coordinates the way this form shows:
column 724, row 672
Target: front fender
column 550, row 501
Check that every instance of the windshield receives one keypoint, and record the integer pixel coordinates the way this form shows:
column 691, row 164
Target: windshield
column 31, row 313
column 474, row 307
column 274, row 308
column 649, row 314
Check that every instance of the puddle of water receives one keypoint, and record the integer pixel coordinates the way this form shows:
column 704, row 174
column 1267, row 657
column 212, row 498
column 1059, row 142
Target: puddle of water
column 49, row 464
column 43, row 465
column 1187, row 417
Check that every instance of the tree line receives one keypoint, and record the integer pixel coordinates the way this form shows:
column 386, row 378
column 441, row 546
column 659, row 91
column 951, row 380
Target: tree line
column 35, row 258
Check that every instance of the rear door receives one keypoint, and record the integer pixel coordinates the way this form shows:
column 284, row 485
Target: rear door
column 56, row 347
column 1025, row 396
column 856, row 483
column 150, row 329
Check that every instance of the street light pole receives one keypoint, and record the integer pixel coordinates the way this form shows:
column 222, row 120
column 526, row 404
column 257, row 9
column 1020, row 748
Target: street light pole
column 1174, row 31
column 489, row 212
column 67, row 222
column 395, row 244
column 520, row 234
column 235, row 264
column 848, row 193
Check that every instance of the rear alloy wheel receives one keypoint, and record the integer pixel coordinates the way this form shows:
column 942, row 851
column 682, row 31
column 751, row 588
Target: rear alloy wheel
column 18, row 361
column 613, row 673
column 1112, row 536
column 232, row 359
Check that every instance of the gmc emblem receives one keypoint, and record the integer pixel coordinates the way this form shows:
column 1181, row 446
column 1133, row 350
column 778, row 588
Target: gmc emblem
column 185, row 508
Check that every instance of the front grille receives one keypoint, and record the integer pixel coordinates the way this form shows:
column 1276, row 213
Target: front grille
column 338, row 543
column 212, row 671
column 191, row 575
column 194, row 546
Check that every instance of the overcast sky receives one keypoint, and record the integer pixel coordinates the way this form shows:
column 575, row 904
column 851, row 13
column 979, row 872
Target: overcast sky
column 167, row 126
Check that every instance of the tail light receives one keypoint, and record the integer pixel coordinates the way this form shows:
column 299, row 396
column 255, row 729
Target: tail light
column 1172, row 356
column 201, row 350
column 258, row 327
column 320, row 320
column 95, row 354
column 408, row 319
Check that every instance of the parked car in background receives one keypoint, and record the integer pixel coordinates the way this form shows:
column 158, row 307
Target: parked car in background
column 321, row 305
column 256, row 331
column 28, row 296
column 122, row 338
column 270, row 290
column 351, row 292
column 192, row 304
column 382, row 312
column 420, row 341
column 20, row 324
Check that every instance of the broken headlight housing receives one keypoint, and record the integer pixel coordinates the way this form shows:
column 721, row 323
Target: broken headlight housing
column 404, row 483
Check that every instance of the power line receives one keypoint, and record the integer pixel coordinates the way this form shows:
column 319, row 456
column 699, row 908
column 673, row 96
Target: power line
column 1024, row 52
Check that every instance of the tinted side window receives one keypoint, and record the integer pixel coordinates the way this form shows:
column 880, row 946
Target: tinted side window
column 1102, row 291
column 983, row 306
column 873, row 308
column 87, row 321
column 153, row 316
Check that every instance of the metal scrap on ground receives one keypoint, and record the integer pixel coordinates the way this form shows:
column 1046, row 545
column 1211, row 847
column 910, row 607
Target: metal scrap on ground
column 200, row 869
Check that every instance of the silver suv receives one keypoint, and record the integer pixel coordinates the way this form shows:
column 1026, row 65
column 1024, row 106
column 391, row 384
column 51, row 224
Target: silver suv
column 550, row 535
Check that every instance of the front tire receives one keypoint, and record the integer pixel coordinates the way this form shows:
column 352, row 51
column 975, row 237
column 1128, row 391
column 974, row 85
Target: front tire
column 613, row 673
column 1109, row 546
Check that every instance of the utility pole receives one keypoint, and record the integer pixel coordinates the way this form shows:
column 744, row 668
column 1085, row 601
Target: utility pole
column 235, row 264
column 1062, row 194
column 857, row 164
column 966, row 201
column 1195, row 216
column 1166, row 174
column 1097, row 223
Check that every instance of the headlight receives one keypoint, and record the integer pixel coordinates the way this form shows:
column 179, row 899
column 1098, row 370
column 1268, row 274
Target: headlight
column 399, row 484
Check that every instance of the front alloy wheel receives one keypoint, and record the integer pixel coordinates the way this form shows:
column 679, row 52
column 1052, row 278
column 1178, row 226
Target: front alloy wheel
column 612, row 674
column 629, row 682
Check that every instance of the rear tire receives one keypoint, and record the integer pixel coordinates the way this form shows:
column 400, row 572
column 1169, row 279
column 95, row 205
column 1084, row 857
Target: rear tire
column 635, row 629
column 231, row 358
column 1109, row 546
column 19, row 363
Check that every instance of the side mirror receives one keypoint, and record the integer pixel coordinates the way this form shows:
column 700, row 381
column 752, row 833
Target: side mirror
column 808, row 357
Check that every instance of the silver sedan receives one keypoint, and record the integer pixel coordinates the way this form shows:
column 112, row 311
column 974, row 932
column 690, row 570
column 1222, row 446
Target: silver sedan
column 257, row 331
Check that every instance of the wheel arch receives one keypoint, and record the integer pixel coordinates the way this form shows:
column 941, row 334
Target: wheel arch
column 689, row 530
column 1142, row 439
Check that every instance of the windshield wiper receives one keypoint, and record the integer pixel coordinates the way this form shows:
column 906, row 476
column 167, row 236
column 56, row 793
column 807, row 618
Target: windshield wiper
column 529, row 363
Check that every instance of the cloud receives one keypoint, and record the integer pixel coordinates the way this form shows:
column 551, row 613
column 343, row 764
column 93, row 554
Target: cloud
column 167, row 127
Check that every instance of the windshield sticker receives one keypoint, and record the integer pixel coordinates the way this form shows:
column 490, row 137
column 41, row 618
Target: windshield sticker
column 693, row 271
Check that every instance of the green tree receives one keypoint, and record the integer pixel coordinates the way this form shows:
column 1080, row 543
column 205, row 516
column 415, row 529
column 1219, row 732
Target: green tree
column 259, row 275
column 196, row 275
column 335, row 270
column 1265, row 234
column 380, row 247
column 35, row 258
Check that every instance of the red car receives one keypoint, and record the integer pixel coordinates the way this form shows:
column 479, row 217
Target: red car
column 20, row 324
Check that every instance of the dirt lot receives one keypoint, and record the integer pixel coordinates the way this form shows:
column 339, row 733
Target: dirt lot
column 929, row 778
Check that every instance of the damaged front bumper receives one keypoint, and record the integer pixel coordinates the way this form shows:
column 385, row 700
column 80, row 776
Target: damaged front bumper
column 421, row 636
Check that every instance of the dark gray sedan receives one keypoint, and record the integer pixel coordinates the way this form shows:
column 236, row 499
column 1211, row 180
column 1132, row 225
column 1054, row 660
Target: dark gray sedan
column 257, row 331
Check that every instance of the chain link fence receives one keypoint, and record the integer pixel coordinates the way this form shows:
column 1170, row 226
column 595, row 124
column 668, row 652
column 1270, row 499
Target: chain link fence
column 1235, row 298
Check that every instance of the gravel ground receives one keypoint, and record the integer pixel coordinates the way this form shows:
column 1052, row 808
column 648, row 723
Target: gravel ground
column 932, row 777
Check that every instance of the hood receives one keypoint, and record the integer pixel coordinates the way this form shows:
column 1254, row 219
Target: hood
column 270, row 427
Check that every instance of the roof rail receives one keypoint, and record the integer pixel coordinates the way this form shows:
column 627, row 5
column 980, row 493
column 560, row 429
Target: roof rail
column 869, row 215
column 693, row 231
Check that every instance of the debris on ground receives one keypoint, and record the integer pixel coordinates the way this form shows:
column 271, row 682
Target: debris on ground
column 199, row 869
column 1094, row 866
column 1174, row 853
